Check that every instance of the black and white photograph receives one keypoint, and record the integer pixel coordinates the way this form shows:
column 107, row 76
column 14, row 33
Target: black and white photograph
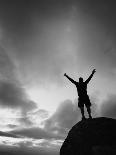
column 57, row 77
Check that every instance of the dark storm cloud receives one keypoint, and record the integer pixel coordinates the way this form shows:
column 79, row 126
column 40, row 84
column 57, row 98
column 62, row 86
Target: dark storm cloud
column 4, row 134
column 108, row 107
column 13, row 96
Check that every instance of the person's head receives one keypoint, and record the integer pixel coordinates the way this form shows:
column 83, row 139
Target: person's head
column 80, row 80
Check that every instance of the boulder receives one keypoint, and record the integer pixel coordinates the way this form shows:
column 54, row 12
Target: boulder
column 95, row 136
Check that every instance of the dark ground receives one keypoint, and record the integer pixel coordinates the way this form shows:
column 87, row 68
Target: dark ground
column 92, row 136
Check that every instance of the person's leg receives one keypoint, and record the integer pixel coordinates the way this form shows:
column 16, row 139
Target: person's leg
column 88, row 105
column 82, row 112
column 81, row 106
column 89, row 111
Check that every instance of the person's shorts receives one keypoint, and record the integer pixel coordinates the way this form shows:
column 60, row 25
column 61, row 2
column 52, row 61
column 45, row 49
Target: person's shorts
column 84, row 100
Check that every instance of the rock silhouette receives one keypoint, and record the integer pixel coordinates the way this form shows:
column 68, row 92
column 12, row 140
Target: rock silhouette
column 91, row 137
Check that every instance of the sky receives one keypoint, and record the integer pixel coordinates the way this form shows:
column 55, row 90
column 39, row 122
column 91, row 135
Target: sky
column 40, row 40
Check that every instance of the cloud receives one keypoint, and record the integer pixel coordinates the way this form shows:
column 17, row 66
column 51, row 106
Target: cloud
column 66, row 116
column 7, row 67
column 41, row 113
column 108, row 107
column 5, row 134
column 28, row 146
column 55, row 126
column 34, row 132
column 12, row 93
column 25, row 120
column 11, row 126
column 38, row 116
column 14, row 96
column 37, row 40
column 63, row 119
column 43, row 47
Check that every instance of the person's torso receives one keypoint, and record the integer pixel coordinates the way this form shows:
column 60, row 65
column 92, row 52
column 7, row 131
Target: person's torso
column 82, row 89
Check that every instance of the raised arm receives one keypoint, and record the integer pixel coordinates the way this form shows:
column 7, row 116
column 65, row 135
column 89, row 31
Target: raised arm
column 74, row 82
column 89, row 78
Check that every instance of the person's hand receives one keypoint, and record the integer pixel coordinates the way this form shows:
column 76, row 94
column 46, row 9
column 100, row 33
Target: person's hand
column 64, row 74
column 94, row 70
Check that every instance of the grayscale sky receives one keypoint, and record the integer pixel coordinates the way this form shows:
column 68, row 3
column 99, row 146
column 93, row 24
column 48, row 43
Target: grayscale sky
column 40, row 40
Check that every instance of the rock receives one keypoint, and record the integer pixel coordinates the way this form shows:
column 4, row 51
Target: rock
column 95, row 136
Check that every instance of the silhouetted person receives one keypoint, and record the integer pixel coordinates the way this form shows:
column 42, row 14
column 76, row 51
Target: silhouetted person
column 82, row 93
